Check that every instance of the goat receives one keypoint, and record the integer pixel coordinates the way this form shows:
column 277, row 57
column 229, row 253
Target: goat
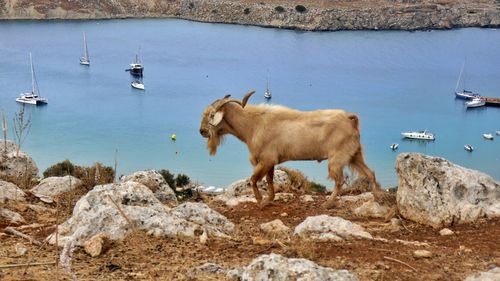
column 275, row 134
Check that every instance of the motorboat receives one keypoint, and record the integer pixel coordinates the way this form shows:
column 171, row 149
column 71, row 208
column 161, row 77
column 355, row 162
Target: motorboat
column 468, row 147
column 421, row 135
column 85, row 60
column 137, row 84
column 34, row 96
column 488, row 136
column 475, row 102
column 136, row 68
column 394, row 146
column 498, row 133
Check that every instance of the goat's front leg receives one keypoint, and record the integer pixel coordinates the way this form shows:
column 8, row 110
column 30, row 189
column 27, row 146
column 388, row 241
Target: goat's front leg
column 258, row 173
column 270, row 187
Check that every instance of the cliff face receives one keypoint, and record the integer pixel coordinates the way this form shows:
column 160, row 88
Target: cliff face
column 309, row 15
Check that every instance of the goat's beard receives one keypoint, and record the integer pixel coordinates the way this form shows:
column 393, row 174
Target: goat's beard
column 214, row 140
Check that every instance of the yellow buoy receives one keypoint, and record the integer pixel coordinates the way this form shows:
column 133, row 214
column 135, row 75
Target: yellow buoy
column 173, row 137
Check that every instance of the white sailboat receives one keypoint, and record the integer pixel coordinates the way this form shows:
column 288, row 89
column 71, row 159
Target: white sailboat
column 464, row 94
column 32, row 97
column 267, row 93
column 85, row 60
column 137, row 84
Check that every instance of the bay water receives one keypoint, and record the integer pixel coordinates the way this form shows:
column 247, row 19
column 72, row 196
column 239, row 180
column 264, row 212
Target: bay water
column 395, row 80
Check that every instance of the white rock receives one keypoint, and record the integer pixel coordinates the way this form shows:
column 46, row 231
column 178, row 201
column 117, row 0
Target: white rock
column 274, row 267
column 435, row 192
column 96, row 244
column 154, row 181
column 307, row 198
column 276, row 228
column 20, row 249
column 491, row 275
column 324, row 228
column 96, row 213
column 372, row 209
column 422, row 254
column 445, row 232
column 367, row 196
column 53, row 186
column 13, row 166
column 11, row 216
column 281, row 181
column 231, row 201
column 9, row 191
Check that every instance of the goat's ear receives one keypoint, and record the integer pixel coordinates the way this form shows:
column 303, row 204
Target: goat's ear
column 217, row 118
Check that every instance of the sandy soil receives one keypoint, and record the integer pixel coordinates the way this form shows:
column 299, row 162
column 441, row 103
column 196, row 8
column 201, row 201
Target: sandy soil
column 140, row 257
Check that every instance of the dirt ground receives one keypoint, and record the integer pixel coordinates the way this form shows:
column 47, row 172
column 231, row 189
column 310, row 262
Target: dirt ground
column 470, row 249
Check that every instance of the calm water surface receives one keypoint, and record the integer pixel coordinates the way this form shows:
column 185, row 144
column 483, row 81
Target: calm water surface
column 396, row 81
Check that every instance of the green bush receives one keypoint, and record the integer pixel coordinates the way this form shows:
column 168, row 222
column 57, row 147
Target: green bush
column 60, row 169
column 182, row 180
column 317, row 187
column 169, row 177
column 246, row 11
column 300, row 8
column 279, row 9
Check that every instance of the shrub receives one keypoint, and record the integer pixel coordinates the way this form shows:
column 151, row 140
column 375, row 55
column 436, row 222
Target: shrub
column 279, row 9
column 60, row 169
column 169, row 177
column 191, row 5
column 297, row 179
column 182, row 180
column 300, row 8
column 246, row 11
column 317, row 187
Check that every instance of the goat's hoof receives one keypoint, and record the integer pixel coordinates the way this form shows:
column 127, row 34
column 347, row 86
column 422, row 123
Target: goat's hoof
column 330, row 204
column 265, row 203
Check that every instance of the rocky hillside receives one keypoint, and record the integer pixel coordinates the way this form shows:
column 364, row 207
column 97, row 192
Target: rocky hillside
column 305, row 15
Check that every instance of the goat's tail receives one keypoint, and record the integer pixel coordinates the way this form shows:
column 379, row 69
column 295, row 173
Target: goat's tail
column 355, row 121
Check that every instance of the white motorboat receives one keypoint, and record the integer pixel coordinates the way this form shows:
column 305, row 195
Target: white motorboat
column 468, row 147
column 421, row 135
column 498, row 133
column 85, row 60
column 394, row 146
column 488, row 136
column 138, row 85
column 464, row 94
column 475, row 102
column 32, row 97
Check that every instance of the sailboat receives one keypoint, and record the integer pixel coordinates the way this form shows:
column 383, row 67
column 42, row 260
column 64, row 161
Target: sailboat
column 136, row 67
column 85, row 60
column 267, row 93
column 464, row 94
column 32, row 97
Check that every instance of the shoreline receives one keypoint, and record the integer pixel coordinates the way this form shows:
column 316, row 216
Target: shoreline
column 314, row 16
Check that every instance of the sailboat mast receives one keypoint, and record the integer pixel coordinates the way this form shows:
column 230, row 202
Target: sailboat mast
column 460, row 77
column 85, row 46
column 34, row 84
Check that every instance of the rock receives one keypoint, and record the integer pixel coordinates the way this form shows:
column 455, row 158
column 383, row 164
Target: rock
column 396, row 222
column 41, row 209
column 11, row 216
column 445, row 232
column 422, row 254
column 491, row 275
column 9, row 191
column 209, row 267
column 276, row 229
column 261, row 241
column 235, row 201
column 284, row 215
column 325, row 228
column 275, row 267
column 53, row 186
column 367, row 196
column 45, row 198
column 307, row 198
column 204, row 238
column 154, row 181
column 21, row 250
column 435, row 192
column 96, row 212
column 281, row 181
column 96, row 245
column 372, row 209
column 13, row 166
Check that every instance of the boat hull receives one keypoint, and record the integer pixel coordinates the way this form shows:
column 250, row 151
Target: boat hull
column 418, row 136
column 466, row 95
column 33, row 102
column 138, row 86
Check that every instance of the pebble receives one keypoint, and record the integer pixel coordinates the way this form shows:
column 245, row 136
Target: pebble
column 21, row 250
column 284, row 215
column 445, row 232
column 422, row 254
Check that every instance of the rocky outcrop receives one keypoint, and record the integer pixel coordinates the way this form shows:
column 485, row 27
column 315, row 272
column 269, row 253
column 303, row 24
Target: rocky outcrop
column 436, row 192
column 9, row 191
column 491, row 275
column 154, row 181
column 114, row 209
column 317, row 15
column 53, row 186
column 275, row 267
column 11, row 217
column 327, row 228
column 276, row 229
column 15, row 166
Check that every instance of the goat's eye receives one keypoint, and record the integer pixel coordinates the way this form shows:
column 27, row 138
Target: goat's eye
column 212, row 114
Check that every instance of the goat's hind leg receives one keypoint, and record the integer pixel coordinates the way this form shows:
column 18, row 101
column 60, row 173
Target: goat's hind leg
column 258, row 173
column 336, row 173
column 270, row 187
column 358, row 164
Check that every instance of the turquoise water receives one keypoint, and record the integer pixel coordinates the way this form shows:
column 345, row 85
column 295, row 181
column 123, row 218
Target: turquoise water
column 396, row 81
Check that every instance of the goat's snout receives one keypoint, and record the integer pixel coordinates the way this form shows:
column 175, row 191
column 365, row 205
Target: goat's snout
column 204, row 132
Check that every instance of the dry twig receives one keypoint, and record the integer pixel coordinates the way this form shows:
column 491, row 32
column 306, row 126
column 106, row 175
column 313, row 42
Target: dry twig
column 26, row 264
column 404, row 224
column 22, row 235
column 401, row 262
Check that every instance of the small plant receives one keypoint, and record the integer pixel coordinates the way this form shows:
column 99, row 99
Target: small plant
column 300, row 8
column 182, row 180
column 297, row 179
column 169, row 177
column 246, row 11
column 279, row 9
column 317, row 187
column 91, row 176
column 60, row 169
column 22, row 127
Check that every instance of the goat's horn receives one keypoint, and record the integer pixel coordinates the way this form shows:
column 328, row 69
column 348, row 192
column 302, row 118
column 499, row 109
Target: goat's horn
column 246, row 97
column 227, row 96
column 224, row 102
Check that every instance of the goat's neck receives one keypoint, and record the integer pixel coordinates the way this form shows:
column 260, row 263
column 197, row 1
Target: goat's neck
column 238, row 122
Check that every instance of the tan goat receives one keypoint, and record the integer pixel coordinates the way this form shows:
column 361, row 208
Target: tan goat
column 275, row 134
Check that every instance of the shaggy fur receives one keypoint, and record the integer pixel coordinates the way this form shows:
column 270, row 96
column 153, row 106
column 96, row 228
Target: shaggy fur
column 275, row 134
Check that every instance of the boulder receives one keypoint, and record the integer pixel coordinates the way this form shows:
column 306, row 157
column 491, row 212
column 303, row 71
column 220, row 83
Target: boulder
column 326, row 228
column 491, row 275
column 154, row 181
column 114, row 209
column 12, row 166
column 96, row 245
column 9, row 191
column 53, row 186
column 275, row 267
column 276, row 229
column 372, row 209
column 436, row 192
column 11, row 216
